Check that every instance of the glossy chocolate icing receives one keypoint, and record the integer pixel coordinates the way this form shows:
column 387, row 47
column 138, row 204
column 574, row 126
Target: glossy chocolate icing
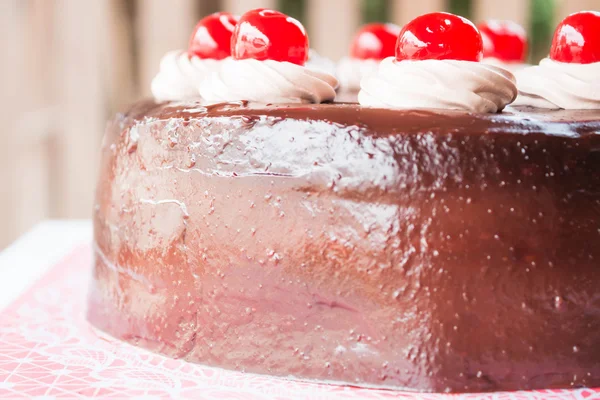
column 431, row 251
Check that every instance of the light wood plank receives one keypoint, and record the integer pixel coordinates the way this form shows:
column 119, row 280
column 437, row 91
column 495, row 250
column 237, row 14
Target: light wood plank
column 31, row 170
column 513, row 10
column 40, row 43
column 11, row 42
column 82, row 98
column 206, row 7
column 24, row 41
column 238, row 7
column 119, row 63
column 405, row 10
column 332, row 41
column 36, row 123
column 162, row 26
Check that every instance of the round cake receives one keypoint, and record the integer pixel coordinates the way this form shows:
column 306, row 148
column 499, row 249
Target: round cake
column 437, row 251
column 426, row 238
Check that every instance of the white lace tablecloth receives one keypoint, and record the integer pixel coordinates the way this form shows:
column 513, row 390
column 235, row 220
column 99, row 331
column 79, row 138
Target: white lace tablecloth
column 48, row 350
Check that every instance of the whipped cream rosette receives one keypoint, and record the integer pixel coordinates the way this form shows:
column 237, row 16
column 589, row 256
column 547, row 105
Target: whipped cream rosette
column 437, row 65
column 570, row 77
column 350, row 71
column 180, row 76
column 269, row 53
column 448, row 84
column 268, row 81
column 183, row 72
column 371, row 44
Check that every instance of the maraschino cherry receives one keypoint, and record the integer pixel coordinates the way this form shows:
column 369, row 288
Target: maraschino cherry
column 212, row 36
column 439, row 36
column 265, row 34
column 504, row 40
column 375, row 41
column 577, row 39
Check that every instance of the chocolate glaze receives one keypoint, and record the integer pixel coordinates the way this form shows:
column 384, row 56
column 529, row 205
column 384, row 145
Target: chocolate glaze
column 431, row 251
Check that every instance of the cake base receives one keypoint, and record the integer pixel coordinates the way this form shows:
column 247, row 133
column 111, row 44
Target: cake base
column 430, row 251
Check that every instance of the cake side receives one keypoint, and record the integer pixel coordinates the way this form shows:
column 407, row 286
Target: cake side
column 433, row 251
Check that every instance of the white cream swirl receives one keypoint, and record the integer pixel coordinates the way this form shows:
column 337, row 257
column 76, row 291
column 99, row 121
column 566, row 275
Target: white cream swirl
column 180, row 76
column 512, row 67
column 554, row 85
column 268, row 82
column 447, row 84
column 320, row 63
column 350, row 71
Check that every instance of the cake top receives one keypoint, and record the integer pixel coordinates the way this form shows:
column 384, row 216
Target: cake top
column 570, row 77
column 433, row 62
column 515, row 120
column 437, row 66
column 259, row 56
column 269, row 50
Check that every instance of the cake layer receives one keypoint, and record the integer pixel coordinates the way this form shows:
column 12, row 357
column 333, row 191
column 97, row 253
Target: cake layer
column 433, row 251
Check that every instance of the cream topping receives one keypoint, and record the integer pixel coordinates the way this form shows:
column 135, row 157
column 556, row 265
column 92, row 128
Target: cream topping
column 320, row 63
column 268, row 82
column 446, row 84
column 180, row 76
column 350, row 71
column 553, row 84
column 512, row 67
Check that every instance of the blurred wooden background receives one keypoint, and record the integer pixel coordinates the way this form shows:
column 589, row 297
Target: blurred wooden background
column 68, row 65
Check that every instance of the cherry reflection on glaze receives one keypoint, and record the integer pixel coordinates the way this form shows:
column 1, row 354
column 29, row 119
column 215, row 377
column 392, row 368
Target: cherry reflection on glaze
column 375, row 42
column 211, row 37
column 504, row 40
column 577, row 39
column 264, row 34
column 439, row 36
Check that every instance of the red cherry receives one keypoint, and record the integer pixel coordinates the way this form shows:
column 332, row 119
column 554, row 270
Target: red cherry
column 577, row 39
column 212, row 36
column 375, row 42
column 439, row 36
column 504, row 40
column 265, row 34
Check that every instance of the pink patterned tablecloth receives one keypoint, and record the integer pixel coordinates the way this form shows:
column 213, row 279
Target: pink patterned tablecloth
column 48, row 349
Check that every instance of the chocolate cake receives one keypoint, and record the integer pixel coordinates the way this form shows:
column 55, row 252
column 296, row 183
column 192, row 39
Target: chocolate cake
column 428, row 250
column 427, row 239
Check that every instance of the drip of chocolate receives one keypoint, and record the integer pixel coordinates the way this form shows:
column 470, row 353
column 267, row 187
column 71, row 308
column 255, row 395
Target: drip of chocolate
column 431, row 251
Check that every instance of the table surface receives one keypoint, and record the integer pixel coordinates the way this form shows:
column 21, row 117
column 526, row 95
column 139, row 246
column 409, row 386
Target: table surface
column 39, row 249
